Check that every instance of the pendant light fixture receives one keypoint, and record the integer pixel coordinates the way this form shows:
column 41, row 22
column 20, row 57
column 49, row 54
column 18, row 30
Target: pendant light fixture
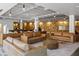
column 10, row 14
column 54, row 15
column 23, row 7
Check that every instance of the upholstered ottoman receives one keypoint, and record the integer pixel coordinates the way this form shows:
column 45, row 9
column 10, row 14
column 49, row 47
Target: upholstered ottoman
column 51, row 44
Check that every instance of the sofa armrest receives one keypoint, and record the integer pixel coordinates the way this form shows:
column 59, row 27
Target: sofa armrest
column 24, row 38
column 77, row 37
column 72, row 37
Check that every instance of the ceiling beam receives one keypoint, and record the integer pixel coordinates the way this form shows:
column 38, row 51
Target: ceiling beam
column 22, row 12
column 8, row 8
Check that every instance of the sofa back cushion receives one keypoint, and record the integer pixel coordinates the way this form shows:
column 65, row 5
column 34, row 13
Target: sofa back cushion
column 20, row 44
column 29, row 34
column 66, row 34
column 10, row 39
column 58, row 33
column 24, row 38
column 13, row 35
column 36, row 34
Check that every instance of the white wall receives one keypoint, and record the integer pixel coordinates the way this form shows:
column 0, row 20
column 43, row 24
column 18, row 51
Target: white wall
column 9, row 23
column 71, row 23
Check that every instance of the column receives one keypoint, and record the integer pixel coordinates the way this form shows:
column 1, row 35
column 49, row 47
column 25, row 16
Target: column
column 36, row 24
column 71, row 23
column 5, row 29
column 21, row 24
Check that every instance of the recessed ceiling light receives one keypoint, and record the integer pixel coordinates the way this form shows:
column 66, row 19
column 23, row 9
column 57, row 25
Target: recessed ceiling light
column 23, row 7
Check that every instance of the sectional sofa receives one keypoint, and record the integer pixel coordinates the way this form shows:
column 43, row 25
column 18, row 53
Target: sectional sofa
column 65, row 36
column 32, row 37
column 21, row 46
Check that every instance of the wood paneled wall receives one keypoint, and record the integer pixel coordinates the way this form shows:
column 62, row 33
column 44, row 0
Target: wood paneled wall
column 49, row 26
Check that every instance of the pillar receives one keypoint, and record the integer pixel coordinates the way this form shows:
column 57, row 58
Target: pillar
column 21, row 24
column 71, row 23
column 36, row 24
column 5, row 29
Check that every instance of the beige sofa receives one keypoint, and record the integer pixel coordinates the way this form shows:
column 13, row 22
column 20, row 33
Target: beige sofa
column 32, row 37
column 64, row 36
column 18, row 48
column 13, row 35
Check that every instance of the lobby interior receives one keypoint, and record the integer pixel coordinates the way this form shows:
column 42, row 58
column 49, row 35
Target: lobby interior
column 39, row 29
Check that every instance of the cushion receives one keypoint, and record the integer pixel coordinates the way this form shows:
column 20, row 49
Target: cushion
column 29, row 34
column 36, row 34
column 66, row 34
column 57, row 33
column 9, row 39
column 13, row 35
column 66, row 37
column 20, row 44
column 24, row 38
column 35, row 40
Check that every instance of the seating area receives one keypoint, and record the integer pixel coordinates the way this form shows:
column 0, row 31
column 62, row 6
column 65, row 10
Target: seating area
column 39, row 30
column 27, row 41
column 32, row 37
column 64, row 36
